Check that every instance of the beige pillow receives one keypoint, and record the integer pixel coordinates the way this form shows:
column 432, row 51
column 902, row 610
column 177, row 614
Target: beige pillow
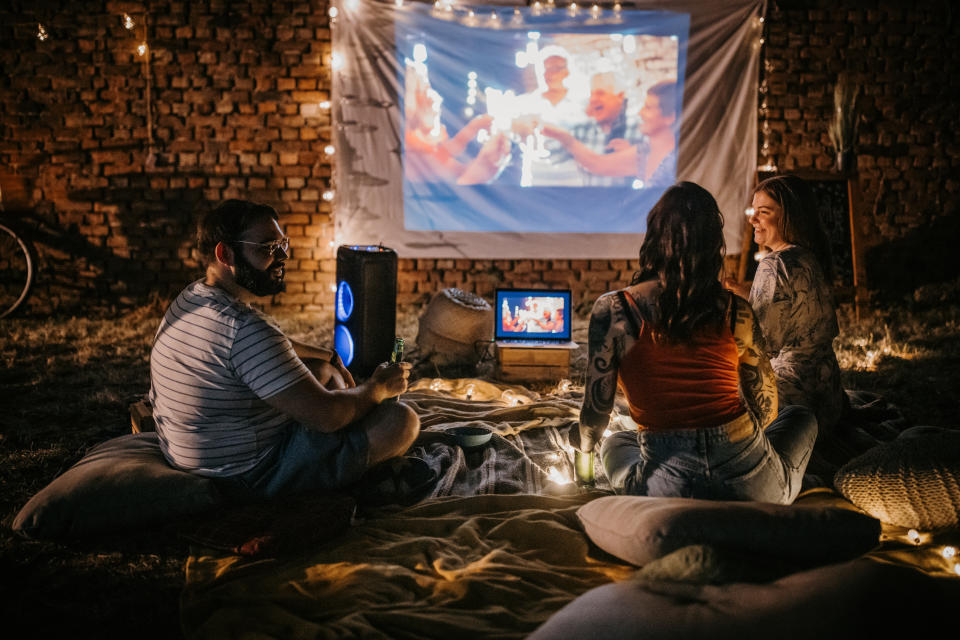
column 639, row 529
column 910, row 482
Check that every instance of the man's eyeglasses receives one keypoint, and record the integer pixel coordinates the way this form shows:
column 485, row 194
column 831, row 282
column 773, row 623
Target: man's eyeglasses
column 269, row 248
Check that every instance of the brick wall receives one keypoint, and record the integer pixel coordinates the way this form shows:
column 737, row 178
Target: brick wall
column 235, row 93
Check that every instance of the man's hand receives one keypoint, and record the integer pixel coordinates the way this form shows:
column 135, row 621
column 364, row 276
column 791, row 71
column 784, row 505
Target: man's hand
column 390, row 380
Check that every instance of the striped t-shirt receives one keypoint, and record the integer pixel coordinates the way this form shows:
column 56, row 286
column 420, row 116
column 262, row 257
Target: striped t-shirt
column 213, row 362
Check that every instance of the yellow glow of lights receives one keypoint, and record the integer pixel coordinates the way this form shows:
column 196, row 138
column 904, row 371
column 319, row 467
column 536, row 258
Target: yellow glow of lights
column 329, row 195
column 336, row 61
column 470, row 391
column 948, row 552
column 324, row 105
column 41, row 33
column 333, row 12
column 142, row 49
column 329, row 149
column 128, row 22
column 556, row 476
column 914, row 536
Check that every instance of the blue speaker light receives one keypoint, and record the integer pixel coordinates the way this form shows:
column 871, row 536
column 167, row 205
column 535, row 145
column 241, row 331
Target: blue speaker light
column 343, row 343
column 344, row 301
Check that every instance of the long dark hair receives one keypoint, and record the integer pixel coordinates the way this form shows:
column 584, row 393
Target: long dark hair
column 800, row 222
column 683, row 250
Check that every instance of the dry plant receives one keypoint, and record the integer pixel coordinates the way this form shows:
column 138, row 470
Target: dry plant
column 842, row 128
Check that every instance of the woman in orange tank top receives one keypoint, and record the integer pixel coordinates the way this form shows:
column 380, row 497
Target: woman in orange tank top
column 690, row 360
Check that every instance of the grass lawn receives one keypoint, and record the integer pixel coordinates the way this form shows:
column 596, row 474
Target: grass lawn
column 66, row 383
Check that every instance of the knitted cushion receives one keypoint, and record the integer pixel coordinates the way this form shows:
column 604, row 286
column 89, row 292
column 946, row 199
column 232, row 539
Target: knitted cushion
column 452, row 325
column 910, row 482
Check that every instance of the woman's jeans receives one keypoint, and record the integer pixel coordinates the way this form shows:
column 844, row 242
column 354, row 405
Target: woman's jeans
column 734, row 461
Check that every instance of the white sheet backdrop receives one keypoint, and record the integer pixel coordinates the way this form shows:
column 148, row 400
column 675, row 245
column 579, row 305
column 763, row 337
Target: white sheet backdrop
column 717, row 143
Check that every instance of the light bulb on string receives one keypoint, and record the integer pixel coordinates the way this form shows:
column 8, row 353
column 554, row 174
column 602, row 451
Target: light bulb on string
column 142, row 49
column 329, row 149
column 128, row 22
column 324, row 104
column 329, row 195
column 41, row 32
column 914, row 536
column 333, row 12
column 948, row 552
column 336, row 61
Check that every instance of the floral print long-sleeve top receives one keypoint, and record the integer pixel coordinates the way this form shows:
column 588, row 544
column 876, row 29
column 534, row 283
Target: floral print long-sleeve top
column 794, row 305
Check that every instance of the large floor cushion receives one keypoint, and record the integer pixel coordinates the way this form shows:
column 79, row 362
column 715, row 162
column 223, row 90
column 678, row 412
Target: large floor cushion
column 639, row 529
column 857, row 599
column 913, row 481
column 121, row 483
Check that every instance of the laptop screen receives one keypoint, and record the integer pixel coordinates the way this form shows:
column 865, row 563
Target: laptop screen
column 533, row 314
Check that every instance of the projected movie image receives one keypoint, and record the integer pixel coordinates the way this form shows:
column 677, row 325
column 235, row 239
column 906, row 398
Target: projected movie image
column 528, row 314
column 552, row 127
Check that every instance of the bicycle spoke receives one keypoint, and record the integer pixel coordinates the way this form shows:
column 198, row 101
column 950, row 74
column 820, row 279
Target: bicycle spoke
column 16, row 271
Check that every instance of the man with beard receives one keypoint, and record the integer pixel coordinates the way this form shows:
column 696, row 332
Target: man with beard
column 236, row 400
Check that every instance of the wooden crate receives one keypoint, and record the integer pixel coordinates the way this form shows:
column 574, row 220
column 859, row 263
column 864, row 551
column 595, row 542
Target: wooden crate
column 141, row 417
column 516, row 364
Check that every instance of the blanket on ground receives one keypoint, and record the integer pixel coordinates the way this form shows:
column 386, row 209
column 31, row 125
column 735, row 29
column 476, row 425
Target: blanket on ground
column 493, row 551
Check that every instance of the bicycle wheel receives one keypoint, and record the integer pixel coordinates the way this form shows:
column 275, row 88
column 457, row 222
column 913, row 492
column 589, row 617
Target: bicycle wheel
column 16, row 271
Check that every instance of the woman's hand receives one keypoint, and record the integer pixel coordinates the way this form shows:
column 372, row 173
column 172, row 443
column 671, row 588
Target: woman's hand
column 741, row 289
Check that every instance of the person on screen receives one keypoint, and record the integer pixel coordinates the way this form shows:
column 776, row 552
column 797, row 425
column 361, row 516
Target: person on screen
column 430, row 154
column 651, row 159
column 792, row 297
column 690, row 359
column 609, row 122
column 552, row 102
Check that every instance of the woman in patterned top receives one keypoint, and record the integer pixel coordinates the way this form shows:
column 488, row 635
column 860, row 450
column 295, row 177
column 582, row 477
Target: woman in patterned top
column 689, row 357
column 792, row 297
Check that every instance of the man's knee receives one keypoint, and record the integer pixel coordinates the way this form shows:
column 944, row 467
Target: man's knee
column 392, row 429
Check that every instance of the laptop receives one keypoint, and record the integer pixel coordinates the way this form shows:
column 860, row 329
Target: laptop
column 533, row 318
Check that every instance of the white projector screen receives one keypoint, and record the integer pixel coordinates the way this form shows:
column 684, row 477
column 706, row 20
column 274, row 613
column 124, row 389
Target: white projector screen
column 503, row 131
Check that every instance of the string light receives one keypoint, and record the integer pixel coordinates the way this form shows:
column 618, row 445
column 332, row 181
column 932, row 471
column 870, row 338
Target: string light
column 128, row 22
column 336, row 61
column 329, row 195
column 948, row 552
column 41, row 32
column 324, row 104
column 329, row 149
column 142, row 49
column 914, row 536
column 469, row 391
column 333, row 12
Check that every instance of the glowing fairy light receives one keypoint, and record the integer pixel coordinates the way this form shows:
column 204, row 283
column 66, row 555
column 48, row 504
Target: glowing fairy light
column 572, row 9
column 333, row 12
column 329, row 149
column 333, row 288
column 336, row 61
column 41, row 32
column 948, row 552
column 435, row 385
column 914, row 536
column 469, row 391
column 595, row 11
column 637, row 184
column 142, row 49
column 324, row 104
column 556, row 476
column 329, row 195
column 128, row 22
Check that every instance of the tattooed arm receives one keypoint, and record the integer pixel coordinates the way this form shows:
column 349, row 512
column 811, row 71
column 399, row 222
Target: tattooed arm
column 606, row 341
column 757, row 382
